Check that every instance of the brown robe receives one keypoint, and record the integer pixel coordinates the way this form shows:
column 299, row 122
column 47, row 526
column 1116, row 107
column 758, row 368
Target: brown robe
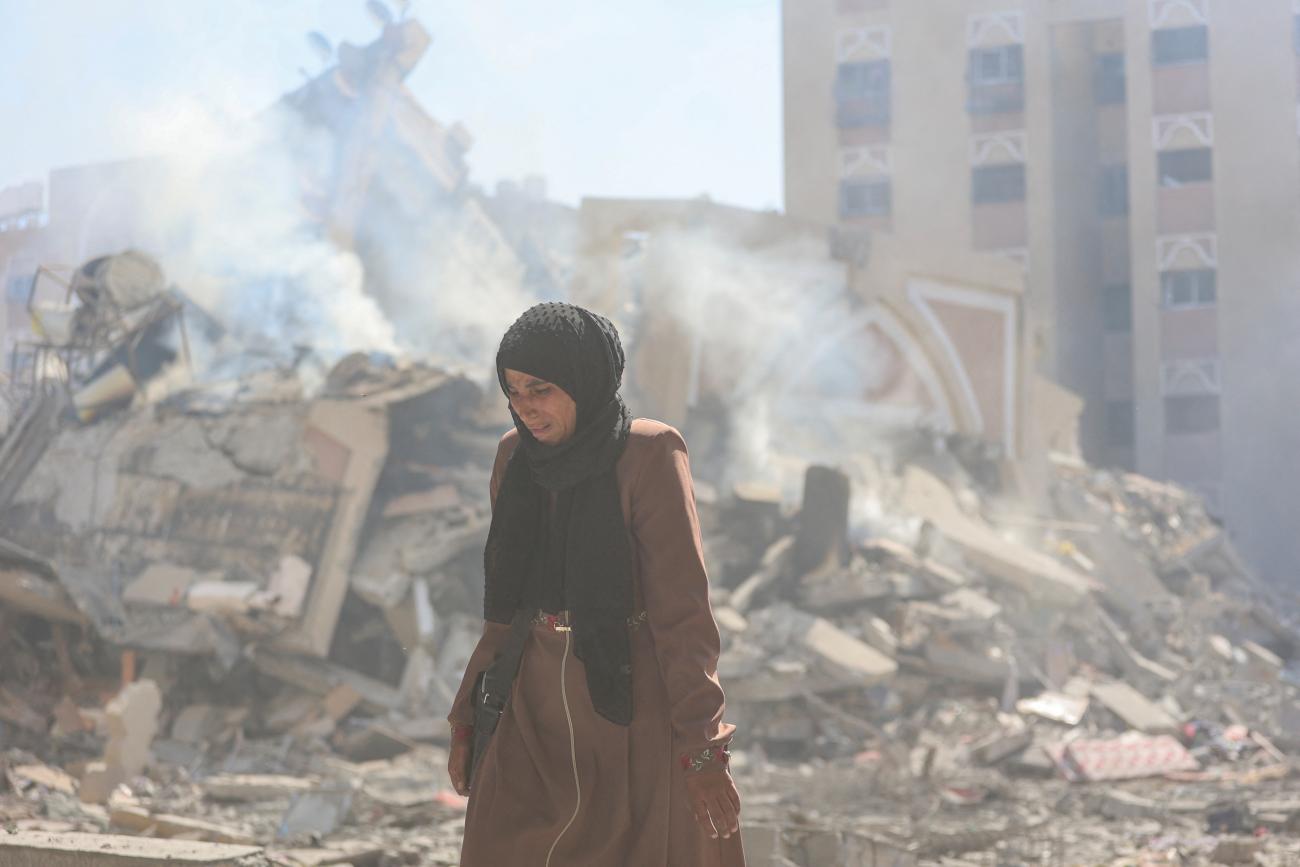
column 589, row 792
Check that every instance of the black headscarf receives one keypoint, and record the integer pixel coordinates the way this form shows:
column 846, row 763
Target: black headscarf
column 577, row 555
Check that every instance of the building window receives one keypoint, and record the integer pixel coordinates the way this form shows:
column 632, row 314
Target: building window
column 869, row 198
column 1119, row 423
column 1295, row 33
column 994, row 184
column 1182, row 289
column 1192, row 166
column 1179, row 45
column 1117, row 308
column 1192, row 414
column 997, row 80
column 1108, row 79
column 862, row 94
column 1112, row 194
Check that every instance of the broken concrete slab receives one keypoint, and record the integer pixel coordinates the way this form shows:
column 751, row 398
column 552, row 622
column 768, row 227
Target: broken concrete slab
column 1136, row 667
column 64, row 849
column 139, row 820
column 165, row 584
column 242, row 788
column 844, row 653
column 1134, row 708
column 23, row 778
column 1033, row 573
column 319, row 676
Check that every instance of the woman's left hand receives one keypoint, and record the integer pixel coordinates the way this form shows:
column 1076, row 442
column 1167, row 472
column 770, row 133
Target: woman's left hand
column 715, row 801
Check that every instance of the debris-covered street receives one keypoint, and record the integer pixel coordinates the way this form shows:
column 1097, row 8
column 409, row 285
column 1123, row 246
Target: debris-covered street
column 247, row 426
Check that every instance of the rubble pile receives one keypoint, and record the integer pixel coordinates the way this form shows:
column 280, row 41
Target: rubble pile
column 233, row 613
column 1098, row 681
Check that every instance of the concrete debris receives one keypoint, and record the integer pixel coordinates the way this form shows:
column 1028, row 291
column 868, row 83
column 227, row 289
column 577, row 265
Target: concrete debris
column 1134, row 709
column 140, row 820
column 279, row 578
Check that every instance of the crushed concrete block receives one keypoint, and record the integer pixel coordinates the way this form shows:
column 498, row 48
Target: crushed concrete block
column 65, row 849
column 1135, row 709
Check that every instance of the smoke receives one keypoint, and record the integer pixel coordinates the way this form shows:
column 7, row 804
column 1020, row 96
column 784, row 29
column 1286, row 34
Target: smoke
column 772, row 335
column 241, row 214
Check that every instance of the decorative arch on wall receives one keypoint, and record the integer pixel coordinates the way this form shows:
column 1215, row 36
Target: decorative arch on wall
column 929, row 298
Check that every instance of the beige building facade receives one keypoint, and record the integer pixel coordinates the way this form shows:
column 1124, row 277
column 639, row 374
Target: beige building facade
column 1139, row 158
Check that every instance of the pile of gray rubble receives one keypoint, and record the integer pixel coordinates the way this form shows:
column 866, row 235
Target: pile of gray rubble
column 232, row 616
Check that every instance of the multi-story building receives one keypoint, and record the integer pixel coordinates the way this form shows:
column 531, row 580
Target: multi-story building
column 1141, row 159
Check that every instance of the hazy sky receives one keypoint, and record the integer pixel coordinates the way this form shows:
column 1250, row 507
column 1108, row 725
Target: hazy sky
column 621, row 97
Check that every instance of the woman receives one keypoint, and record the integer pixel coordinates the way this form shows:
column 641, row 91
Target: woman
column 611, row 751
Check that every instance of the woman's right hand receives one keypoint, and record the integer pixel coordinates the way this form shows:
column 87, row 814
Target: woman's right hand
column 458, row 765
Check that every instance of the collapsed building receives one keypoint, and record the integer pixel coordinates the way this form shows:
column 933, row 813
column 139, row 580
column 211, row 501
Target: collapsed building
column 236, row 597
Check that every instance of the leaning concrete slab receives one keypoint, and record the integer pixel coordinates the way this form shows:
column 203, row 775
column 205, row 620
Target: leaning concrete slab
column 44, row 849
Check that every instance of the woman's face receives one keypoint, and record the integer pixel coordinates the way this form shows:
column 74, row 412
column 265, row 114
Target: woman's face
column 547, row 410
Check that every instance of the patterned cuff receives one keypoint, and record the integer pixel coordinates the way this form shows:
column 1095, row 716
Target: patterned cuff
column 707, row 759
column 460, row 732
